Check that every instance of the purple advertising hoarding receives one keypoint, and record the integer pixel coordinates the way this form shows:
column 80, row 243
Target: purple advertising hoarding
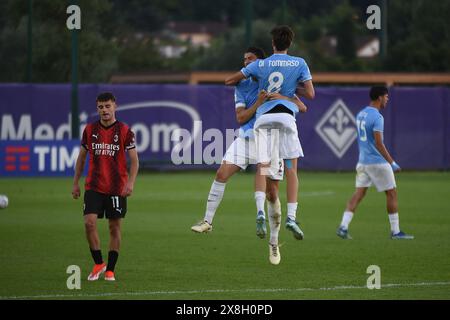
column 417, row 122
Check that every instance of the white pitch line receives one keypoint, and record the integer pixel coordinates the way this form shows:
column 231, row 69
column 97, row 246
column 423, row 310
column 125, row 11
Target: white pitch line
column 316, row 194
column 182, row 196
column 154, row 293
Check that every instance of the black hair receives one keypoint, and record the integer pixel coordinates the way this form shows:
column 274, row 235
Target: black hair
column 282, row 37
column 106, row 96
column 258, row 52
column 377, row 91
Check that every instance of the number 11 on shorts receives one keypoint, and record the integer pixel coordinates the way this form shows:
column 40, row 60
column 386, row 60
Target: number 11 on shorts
column 115, row 201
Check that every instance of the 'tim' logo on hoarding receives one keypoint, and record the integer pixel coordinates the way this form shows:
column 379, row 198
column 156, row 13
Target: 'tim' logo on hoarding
column 17, row 158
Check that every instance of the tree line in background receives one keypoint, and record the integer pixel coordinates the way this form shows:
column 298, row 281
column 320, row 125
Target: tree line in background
column 117, row 36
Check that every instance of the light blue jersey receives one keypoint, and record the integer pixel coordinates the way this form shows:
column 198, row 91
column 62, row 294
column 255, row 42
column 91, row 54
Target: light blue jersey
column 279, row 73
column 369, row 120
column 245, row 95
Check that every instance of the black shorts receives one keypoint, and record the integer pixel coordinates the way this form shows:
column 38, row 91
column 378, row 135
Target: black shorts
column 279, row 108
column 114, row 207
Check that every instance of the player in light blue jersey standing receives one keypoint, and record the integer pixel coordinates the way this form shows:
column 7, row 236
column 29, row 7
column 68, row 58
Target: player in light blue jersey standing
column 278, row 74
column 375, row 164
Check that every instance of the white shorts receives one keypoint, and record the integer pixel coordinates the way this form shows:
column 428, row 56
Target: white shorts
column 381, row 175
column 242, row 152
column 276, row 136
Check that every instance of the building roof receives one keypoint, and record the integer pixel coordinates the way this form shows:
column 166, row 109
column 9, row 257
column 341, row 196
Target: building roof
column 191, row 27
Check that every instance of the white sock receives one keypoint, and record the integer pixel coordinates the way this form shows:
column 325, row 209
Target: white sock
column 274, row 213
column 214, row 198
column 260, row 198
column 292, row 210
column 395, row 222
column 346, row 219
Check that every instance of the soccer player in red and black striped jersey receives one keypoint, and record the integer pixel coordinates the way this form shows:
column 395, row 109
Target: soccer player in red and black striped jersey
column 107, row 184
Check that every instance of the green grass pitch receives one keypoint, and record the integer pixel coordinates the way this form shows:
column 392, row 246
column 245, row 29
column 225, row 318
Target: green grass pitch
column 41, row 234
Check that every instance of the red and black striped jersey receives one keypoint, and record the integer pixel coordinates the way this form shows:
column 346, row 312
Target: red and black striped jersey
column 107, row 160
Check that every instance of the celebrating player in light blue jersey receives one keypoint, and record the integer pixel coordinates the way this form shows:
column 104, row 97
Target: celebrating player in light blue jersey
column 278, row 74
column 375, row 164
column 242, row 151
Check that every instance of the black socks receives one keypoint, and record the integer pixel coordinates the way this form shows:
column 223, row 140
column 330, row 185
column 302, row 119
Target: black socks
column 112, row 260
column 97, row 256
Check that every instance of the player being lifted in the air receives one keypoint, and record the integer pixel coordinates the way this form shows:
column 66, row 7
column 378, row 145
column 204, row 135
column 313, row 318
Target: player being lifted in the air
column 242, row 152
column 278, row 74
column 375, row 164
column 107, row 183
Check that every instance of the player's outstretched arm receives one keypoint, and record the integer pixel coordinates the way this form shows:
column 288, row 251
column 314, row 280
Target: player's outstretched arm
column 384, row 152
column 234, row 79
column 243, row 115
column 78, row 171
column 134, row 168
column 306, row 89
column 301, row 106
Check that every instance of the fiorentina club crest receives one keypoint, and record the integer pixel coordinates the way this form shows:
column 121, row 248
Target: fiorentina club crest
column 337, row 128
